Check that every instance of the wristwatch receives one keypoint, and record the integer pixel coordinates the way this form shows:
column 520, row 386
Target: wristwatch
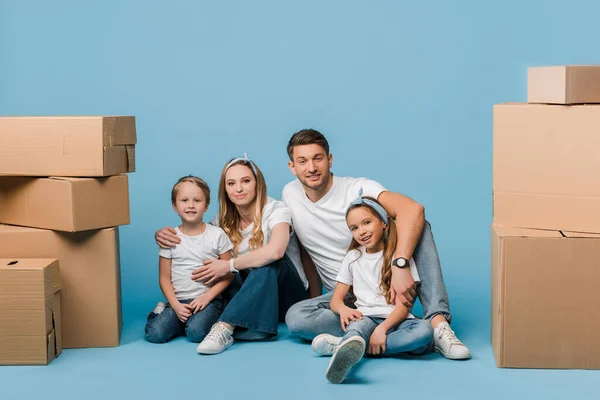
column 401, row 262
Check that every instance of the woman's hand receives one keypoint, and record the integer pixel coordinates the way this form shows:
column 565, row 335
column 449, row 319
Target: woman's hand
column 211, row 271
column 166, row 238
column 348, row 314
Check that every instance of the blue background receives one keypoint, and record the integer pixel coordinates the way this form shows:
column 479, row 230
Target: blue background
column 404, row 93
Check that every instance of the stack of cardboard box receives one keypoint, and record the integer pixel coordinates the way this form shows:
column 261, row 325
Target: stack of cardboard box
column 546, row 231
column 63, row 192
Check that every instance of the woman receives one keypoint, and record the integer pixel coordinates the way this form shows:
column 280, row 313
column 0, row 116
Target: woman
column 259, row 228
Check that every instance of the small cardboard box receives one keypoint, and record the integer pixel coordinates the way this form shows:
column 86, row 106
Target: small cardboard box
column 30, row 316
column 67, row 146
column 64, row 204
column 564, row 84
column 545, row 298
column 546, row 166
column 90, row 277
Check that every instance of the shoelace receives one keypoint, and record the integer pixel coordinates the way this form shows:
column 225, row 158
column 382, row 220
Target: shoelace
column 448, row 335
column 218, row 334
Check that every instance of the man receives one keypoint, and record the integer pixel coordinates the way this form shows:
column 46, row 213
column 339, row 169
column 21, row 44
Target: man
column 318, row 201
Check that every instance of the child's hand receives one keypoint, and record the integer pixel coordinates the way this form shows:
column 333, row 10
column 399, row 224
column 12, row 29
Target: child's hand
column 377, row 341
column 199, row 303
column 183, row 311
column 347, row 314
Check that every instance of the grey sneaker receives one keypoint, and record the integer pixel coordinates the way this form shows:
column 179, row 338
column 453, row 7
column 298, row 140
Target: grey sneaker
column 324, row 344
column 217, row 341
column 344, row 357
column 447, row 344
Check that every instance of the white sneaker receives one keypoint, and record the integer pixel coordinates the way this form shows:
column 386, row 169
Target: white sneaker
column 447, row 344
column 217, row 341
column 324, row 344
column 344, row 357
column 160, row 307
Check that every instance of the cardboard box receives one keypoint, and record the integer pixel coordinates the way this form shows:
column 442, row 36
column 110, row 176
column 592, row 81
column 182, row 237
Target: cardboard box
column 546, row 166
column 90, row 275
column 67, row 146
column 64, row 204
column 564, row 84
column 545, row 298
column 30, row 323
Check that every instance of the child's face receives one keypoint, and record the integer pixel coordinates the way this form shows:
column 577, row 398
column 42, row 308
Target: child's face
column 240, row 185
column 190, row 203
column 367, row 229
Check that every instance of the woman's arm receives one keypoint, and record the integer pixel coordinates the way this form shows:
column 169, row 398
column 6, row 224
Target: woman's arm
column 272, row 251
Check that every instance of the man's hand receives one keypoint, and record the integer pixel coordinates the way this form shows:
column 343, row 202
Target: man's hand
column 377, row 341
column 403, row 286
column 166, row 238
column 183, row 311
column 211, row 271
column 199, row 303
column 348, row 314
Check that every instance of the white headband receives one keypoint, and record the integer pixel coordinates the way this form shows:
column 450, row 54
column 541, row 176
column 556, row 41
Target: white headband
column 245, row 159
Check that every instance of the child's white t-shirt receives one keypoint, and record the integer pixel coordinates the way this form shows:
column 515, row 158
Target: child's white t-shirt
column 274, row 212
column 321, row 226
column 189, row 255
column 364, row 275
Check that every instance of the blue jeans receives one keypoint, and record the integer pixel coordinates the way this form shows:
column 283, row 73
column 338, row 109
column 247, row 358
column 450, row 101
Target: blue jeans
column 262, row 296
column 410, row 336
column 311, row 317
column 163, row 327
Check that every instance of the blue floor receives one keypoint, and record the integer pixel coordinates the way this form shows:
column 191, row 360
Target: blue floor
column 284, row 368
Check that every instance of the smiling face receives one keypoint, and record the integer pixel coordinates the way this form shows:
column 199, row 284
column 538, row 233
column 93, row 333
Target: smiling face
column 190, row 202
column 240, row 185
column 312, row 166
column 367, row 228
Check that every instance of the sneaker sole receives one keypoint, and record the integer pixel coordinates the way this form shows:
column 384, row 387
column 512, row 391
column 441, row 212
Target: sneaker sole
column 319, row 352
column 213, row 351
column 346, row 356
column 451, row 356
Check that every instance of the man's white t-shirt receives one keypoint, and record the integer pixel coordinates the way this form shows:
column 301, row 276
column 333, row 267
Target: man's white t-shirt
column 189, row 255
column 274, row 212
column 321, row 226
column 362, row 271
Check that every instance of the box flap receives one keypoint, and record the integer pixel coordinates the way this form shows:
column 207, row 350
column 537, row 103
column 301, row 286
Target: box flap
column 581, row 235
column 505, row 231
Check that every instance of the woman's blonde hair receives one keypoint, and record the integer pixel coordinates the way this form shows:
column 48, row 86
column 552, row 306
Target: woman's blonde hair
column 389, row 248
column 229, row 217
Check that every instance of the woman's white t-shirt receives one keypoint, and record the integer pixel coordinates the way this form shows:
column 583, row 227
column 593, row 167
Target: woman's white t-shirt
column 362, row 271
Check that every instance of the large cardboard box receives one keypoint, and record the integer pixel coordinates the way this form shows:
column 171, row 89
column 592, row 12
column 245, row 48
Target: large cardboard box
column 545, row 298
column 546, row 165
column 90, row 275
column 30, row 323
column 564, row 84
column 67, row 146
column 64, row 204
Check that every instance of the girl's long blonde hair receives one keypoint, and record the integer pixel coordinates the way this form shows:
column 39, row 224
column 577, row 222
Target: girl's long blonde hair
column 389, row 238
column 229, row 217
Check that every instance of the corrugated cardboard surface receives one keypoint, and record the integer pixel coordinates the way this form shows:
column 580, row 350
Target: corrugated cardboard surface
column 90, row 275
column 546, row 166
column 30, row 315
column 64, row 204
column 67, row 146
column 564, row 84
column 545, row 299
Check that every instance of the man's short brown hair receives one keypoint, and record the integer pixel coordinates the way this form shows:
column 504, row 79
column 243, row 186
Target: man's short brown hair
column 307, row 136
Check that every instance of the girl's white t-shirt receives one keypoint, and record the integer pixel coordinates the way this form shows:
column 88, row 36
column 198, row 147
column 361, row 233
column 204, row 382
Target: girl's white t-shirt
column 362, row 271
column 274, row 212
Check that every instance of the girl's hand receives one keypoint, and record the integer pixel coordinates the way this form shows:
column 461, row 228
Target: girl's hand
column 211, row 271
column 377, row 341
column 348, row 314
column 199, row 303
column 183, row 311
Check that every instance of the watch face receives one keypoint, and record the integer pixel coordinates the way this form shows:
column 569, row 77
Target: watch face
column 402, row 262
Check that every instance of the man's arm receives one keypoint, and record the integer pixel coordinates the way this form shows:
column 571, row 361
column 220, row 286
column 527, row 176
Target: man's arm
column 410, row 219
column 315, row 286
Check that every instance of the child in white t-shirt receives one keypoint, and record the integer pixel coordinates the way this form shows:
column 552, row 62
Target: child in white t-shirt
column 192, row 307
column 376, row 326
